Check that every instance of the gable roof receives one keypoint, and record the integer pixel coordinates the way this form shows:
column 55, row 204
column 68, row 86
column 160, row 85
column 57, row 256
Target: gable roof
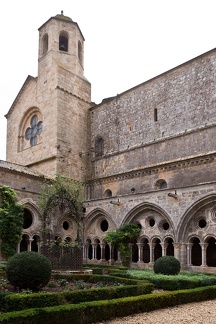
column 25, row 84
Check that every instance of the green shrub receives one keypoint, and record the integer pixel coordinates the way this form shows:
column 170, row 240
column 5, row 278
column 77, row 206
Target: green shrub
column 167, row 265
column 184, row 280
column 102, row 310
column 28, row 270
column 15, row 302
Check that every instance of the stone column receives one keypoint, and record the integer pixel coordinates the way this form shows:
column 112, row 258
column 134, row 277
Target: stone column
column 177, row 248
column 140, row 252
column 29, row 244
column 119, row 256
column 111, row 246
column 189, row 246
column 85, row 252
column 203, row 247
column 102, row 245
column 18, row 247
column 94, row 247
column 151, row 245
column 164, row 246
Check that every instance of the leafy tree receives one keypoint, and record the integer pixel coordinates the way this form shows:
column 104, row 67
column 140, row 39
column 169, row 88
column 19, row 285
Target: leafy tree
column 11, row 221
column 62, row 193
column 122, row 237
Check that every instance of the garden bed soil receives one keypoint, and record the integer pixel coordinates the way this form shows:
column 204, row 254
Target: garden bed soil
column 57, row 287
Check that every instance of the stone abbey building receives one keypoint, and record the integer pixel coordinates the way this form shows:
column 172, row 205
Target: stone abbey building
column 145, row 156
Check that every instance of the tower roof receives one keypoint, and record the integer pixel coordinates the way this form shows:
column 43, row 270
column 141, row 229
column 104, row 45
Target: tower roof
column 62, row 17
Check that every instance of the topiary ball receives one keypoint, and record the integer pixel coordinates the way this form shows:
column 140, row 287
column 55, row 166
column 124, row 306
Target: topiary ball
column 167, row 265
column 28, row 270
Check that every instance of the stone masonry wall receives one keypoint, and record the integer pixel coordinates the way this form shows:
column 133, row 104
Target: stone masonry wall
column 177, row 175
column 33, row 185
column 185, row 101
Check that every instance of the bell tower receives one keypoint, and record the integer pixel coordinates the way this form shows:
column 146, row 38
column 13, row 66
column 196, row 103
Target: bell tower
column 51, row 135
column 61, row 40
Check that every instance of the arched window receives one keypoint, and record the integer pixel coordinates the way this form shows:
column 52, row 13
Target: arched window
column 107, row 193
column 146, row 251
column 161, row 184
column 63, row 42
column 196, row 252
column 80, row 52
column 99, row 146
column 45, row 44
column 211, row 252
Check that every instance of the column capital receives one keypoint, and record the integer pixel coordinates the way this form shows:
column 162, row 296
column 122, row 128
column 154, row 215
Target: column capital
column 177, row 245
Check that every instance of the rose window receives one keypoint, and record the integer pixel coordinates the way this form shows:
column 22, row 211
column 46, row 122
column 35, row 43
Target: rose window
column 33, row 131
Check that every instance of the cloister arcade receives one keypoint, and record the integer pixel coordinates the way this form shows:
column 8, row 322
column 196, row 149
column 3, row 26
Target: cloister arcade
column 192, row 241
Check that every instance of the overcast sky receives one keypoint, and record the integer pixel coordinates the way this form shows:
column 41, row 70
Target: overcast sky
column 126, row 42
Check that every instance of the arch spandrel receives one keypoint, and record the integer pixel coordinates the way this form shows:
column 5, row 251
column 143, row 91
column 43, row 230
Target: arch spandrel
column 143, row 213
column 95, row 214
column 205, row 206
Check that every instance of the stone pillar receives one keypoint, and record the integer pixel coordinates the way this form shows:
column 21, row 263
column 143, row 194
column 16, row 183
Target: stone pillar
column 94, row 247
column 151, row 245
column 119, row 256
column 203, row 247
column 189, row 246
column 102, row 245
column 140, row 252
column 177, row 248
column 85, row 253
column 18, row 248
column 29, row 244
column 39, row 246
column 111, row 253
column 163, row 246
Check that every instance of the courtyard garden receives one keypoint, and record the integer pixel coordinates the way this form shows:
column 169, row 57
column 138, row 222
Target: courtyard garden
column 31, row 292
column 108, row 292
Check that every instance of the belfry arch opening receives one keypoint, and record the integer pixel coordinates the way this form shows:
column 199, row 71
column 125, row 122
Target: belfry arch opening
column 80, row 52
column 45, row 44
column 63, row 42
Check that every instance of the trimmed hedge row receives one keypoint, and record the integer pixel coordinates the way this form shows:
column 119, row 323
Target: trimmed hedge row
column 15, row 302
column 96, row 277
column 103, row 268
column 170, row 282
column 95, row 311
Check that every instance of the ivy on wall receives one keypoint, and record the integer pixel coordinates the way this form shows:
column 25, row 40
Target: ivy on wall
column 11, row 221
column 60, row 195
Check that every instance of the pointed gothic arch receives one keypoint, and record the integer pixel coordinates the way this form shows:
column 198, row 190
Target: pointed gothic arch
column 202, row 205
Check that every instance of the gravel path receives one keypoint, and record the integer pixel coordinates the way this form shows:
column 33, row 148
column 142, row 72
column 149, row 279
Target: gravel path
column 193, row 313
